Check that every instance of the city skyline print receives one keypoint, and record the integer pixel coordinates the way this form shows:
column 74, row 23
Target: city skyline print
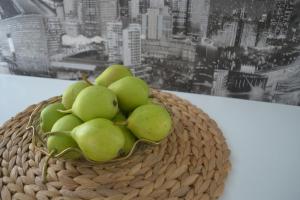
column 247, row 49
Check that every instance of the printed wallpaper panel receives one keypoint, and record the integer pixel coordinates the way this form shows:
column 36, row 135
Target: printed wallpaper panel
column 248, row 49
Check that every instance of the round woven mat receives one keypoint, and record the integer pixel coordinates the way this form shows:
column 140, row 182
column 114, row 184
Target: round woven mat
column 192, row 163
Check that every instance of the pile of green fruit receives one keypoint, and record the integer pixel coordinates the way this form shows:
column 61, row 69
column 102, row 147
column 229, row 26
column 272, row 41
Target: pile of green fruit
column 103, row 121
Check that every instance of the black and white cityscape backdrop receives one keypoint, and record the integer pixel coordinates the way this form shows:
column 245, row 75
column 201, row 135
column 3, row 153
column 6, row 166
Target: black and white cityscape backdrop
column 247, row 49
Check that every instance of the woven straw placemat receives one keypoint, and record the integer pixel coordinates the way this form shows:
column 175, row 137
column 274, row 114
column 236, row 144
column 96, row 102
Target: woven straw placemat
column 192, row 163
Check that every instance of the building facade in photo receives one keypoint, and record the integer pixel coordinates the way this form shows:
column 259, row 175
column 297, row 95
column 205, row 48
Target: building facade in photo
column 245, row 49
column 281, row 18
column 157, row 24
column 54, row 31
column 23, row 41
column 157, row 3
column 180, row 11
column 227, row 36
column 169, row 49
column 114, row 41
column 108, row 11
column 199, row 17
column 249, row 34
column 134, row 10
column 71, row 9
column 132, row 45
column 90, row 18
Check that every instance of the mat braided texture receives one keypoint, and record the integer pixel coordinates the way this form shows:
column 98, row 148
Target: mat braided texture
column 192, row 163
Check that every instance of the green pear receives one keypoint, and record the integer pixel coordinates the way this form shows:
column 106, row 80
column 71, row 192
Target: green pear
column 61, row 142
column 71, row 93
column 66, row 123
column 151, row 122
column 96, row 123
column 95, row 102
column 130, row 139
column 131, row 92
column 112, row 74
column 50, row 115
column 120, row 117
column 99, row 139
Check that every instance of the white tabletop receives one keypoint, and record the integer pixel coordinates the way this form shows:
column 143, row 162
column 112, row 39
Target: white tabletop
column 264, row 138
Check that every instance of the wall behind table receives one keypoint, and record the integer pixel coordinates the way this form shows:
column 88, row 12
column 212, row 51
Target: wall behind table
column 233, row 48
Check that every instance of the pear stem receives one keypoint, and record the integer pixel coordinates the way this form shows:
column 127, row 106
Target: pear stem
column 39, row 135
column 56, row 133
column 70, row 149
column 85, row 78
column 121, row 123
column 45, row 167
column 65, row 111
column 35, row 137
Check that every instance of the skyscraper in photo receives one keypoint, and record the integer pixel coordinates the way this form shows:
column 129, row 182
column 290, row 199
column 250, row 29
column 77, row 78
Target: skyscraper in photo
column 144, row 5
column 95, row 15
column 165, row 24
column 219, row 83
column 54, row 32
column 79, row 12
column 150, row 23
column 240, row 18
column 108, row 13
column 157, row 3
column 262, row 30
column 249, row 34
column 190, row 17
column 281, row 17
column 157, row 24
column 90, row 18
column 114, row 41
column 199, row 14
column 60, row 13
column 132, row 45
column 72, row 12
column 24, row 40
column 133, row 9
column 70, row 9
column 180, row 11
column 227, row 36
